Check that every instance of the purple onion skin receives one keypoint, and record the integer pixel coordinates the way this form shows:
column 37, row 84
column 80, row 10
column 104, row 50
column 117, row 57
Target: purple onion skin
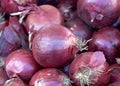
column 12, row 37
column 98, row 13
column 107, row 40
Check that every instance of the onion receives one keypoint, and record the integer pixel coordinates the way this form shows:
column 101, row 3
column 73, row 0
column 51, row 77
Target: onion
column 12, row 37
column 3, row 76
column 50, row 77
column 14, row 81
column 21, row 63
column 44, row 15
column 98, row 13
column 10, row 6
column 90, row 68
column 54, row 46
column 107, row 40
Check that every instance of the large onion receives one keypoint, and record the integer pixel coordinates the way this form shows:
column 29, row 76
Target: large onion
column 54, row 46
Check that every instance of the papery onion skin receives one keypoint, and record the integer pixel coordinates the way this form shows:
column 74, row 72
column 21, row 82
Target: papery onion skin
column 21, row 63
column 12, row 37
column 54, row 46
column 89, row 68
column 10, row 6
column 98, row 13
column 107, row 40
column 3, row 76
column 50, row 77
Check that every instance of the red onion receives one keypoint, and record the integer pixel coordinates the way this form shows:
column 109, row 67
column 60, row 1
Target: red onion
column 107, row 40
column 90, row 69
column 3, row 76
column 98, row 13
column 12, row 37
column 21, row 63
column 14, row 81
column 44, row 15
column 10, row 6
column 54, row 46
column 50, row 77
